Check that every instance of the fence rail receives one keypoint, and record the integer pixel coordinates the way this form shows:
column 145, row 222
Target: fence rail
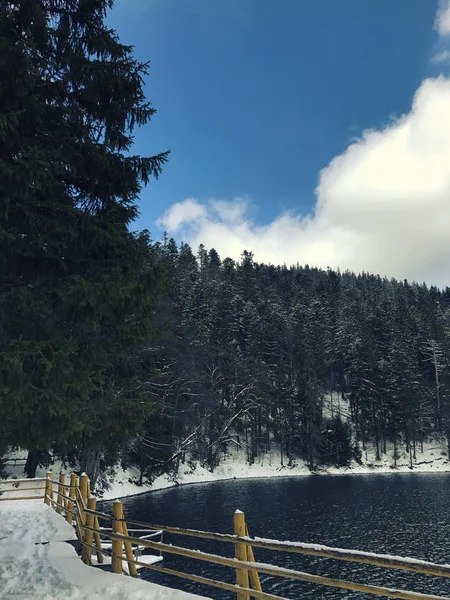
column 18, row 486
column 74, row 502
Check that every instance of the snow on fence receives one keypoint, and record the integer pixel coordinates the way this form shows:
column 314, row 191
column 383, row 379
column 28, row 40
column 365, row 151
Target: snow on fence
column 75, row 503
column 17, row 486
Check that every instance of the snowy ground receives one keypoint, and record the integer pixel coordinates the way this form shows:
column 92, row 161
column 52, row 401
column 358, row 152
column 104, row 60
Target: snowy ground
column 37, row 563
column 234, row 466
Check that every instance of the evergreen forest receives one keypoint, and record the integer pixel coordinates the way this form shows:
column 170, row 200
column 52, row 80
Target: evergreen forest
column 115, row 348
column 315, row 364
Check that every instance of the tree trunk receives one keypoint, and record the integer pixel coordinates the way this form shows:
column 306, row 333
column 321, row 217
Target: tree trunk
column 448, row 444
column 438, row 394
column 32, row 463
column 377, row 434
column 377, row 446
column 90, row 464
column 281, row 438
column 177, row 464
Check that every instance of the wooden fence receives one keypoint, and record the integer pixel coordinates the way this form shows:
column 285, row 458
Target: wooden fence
column 73, row 501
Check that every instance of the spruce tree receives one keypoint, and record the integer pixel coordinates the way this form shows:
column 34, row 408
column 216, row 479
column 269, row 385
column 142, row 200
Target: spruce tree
column 75, row 283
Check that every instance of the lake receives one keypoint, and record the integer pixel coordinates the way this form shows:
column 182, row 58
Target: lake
column 401, row 514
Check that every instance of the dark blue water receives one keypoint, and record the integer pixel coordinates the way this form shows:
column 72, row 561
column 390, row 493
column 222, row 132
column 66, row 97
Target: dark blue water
column 401, row 514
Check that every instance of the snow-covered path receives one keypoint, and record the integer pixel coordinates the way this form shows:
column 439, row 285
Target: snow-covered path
column 37, row 563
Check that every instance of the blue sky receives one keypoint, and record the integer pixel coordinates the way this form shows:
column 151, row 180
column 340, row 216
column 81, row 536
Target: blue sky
column 256, row 97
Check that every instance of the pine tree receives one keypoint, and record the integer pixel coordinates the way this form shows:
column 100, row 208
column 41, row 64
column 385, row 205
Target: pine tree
column 75, row 283
column 253, row 354
column 337, row 448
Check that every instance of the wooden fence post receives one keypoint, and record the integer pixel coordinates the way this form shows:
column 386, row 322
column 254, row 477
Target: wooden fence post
column 128, row 549
column 70, row 503
column 241, row 554
column 89, row 535
column 84, row 486
column 48, row 488
column 254, row 576
column 98, row 541
column 117, row 547
column 61, row 488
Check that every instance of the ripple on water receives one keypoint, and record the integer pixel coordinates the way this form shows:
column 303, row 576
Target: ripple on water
column 401, row 514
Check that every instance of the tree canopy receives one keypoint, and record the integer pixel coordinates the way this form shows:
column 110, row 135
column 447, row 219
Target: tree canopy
column 76, row 285
column 311, row 364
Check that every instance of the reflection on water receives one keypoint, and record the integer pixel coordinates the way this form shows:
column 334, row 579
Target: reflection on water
column 402, row 514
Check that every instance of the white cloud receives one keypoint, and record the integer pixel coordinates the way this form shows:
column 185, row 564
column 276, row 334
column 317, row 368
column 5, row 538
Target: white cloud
column 442, row 26
column 182, row 213
column 383, row 205
column 443, row 18
column 441, row 57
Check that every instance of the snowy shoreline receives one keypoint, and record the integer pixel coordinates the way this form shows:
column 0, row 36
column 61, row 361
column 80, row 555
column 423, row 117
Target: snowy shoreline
column 234, row 467
column 121, row 483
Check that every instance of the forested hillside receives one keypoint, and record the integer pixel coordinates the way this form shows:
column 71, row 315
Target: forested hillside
column 115, row 348
column 262, row 357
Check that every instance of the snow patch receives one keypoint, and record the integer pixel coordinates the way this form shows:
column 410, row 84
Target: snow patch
column 234, row 465
column 37, row 562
